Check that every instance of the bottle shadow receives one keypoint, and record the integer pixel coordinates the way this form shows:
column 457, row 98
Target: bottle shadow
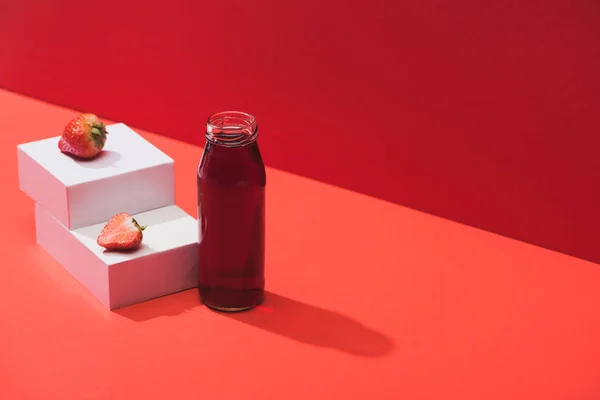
column 315, row 326
column 282, row 316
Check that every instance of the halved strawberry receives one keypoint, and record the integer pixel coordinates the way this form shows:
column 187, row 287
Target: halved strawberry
column 83, row 137
column 122, row 232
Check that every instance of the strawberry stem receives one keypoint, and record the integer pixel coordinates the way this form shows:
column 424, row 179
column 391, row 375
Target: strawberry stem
column 99, row 129
column 140, row 227
column 98, row 134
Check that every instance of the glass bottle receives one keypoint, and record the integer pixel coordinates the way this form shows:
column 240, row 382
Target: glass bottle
column 231, row 214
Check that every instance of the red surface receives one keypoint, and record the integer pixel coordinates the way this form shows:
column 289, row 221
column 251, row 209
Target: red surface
column 482, row 112
column 369, row 300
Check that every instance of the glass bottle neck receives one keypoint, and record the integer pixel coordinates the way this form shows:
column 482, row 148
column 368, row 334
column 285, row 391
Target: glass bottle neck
column 231, row 129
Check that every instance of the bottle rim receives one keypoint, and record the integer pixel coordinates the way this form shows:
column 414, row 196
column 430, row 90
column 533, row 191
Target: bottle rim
column 231, row 128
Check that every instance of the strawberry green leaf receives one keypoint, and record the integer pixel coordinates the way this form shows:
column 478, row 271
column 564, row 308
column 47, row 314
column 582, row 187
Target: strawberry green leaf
column 140, row 227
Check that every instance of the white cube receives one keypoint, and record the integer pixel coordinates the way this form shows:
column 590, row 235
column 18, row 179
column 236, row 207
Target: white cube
column 129, row 175
column 165, row 263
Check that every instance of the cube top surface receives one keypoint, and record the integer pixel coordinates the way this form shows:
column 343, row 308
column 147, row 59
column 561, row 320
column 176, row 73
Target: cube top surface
column 125, row 151
column 167, row 228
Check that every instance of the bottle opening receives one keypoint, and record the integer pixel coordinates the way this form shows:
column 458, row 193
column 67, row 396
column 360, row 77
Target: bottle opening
column 231, row 128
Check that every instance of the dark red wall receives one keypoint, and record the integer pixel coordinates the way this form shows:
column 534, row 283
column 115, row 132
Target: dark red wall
column 486, row 113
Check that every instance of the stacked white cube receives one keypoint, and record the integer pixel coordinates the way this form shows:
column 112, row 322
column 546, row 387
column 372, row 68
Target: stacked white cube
column 75, row 198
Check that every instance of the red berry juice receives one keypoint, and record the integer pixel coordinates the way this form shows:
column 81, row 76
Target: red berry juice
column 231, row 214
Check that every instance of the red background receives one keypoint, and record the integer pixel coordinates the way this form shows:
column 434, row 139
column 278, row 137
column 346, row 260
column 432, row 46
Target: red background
column 482, row 112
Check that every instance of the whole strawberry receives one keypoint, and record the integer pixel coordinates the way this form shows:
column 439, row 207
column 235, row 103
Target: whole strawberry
column 83, row 137
column 122, row 232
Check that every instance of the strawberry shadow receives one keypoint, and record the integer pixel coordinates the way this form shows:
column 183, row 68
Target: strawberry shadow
column 106, row 159
column 120, row 255
column 142, row 248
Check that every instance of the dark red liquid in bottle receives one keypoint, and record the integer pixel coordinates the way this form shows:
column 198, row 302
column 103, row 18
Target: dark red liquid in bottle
column 231, row 216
